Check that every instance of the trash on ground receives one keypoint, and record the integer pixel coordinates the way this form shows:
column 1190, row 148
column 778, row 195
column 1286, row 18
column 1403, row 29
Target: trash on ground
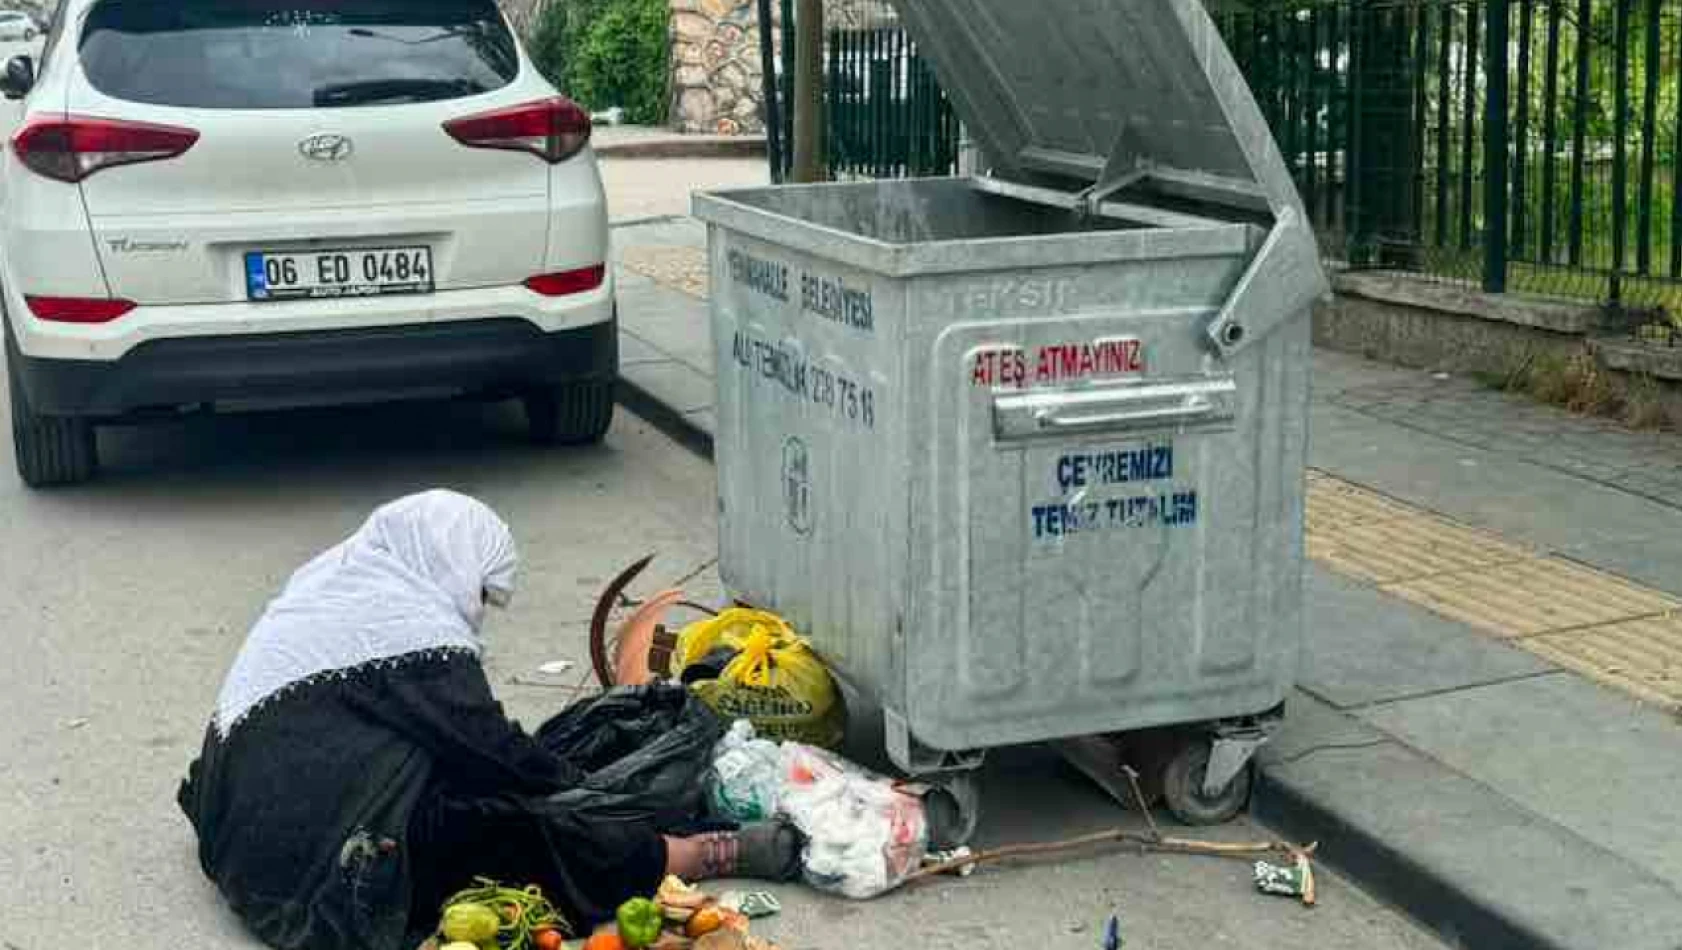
column 753, row 904
column 1296, row 880
column 1113, row 940
column 746, row 774
column 759, row 669
column 555, row 667
column 865, row 833
column 954, row 856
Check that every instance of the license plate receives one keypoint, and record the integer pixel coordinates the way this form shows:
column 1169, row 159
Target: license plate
column 364, row 272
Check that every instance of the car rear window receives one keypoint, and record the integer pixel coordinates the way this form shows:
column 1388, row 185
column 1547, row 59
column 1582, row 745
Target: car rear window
column 248, row 54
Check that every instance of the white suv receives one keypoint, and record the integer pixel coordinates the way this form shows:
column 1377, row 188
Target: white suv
column 218, row 203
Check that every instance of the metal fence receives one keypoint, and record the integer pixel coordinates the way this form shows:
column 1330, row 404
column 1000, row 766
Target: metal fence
column 1523, row 144
column 885, row 115
column 1515, row 144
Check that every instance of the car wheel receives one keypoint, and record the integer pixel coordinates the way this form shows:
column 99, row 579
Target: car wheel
column 575, row 413
column 51, row 450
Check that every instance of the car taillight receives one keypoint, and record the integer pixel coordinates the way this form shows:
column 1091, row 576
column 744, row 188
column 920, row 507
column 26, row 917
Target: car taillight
column 552, row 129
column 78, row 309
column 72, row 148
column 568, row 282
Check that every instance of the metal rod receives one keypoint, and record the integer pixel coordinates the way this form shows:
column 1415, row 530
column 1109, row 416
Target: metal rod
column 1649, row 143
column 1676, row 173
column 1420, row 118
column 1579, row 132
column 1469, row 124
column 1620, row 144
column 1521, row 133
column 1355, row 174
column 1311, row 182
column 786, row 83
column 1495, row 150
column 1550, row 132
column 768, row 90
column 1444, row 99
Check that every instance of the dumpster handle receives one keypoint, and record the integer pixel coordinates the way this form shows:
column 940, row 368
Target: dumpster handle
column 1196, row 403
column 1193, row 409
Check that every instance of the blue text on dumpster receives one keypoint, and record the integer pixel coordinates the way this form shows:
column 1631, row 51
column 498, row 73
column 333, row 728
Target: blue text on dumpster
column 1119, row 467
column 793, row 376
column 1175, row 509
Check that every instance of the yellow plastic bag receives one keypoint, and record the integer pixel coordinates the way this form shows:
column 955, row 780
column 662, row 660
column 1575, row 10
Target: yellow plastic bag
column 775, row 681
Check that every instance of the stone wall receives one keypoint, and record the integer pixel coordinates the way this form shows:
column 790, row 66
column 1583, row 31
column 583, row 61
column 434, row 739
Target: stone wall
column 716, row 67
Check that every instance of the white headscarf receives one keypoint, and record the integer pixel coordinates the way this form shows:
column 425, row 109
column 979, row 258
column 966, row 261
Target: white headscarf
column 413, row 579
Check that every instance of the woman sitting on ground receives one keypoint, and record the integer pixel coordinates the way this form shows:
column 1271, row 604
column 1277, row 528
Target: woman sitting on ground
column 357, row 769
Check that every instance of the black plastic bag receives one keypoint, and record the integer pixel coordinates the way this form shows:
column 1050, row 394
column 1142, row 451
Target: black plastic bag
column 644, row 751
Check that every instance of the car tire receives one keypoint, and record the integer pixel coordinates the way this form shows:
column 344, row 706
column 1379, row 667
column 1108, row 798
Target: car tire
column 51, row 450
column 574, row 413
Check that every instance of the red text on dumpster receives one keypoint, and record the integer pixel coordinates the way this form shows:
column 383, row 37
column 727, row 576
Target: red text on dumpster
column 1010, row 367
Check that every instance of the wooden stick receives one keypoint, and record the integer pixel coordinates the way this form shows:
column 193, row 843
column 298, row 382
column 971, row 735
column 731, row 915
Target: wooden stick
column 1146, row 842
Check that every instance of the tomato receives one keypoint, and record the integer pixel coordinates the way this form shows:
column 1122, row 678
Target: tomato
column 605, row 942
column 547, row 938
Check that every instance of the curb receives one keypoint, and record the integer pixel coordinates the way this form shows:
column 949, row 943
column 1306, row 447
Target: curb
column 1432, row 900
column 677, row 426
column 677, row 146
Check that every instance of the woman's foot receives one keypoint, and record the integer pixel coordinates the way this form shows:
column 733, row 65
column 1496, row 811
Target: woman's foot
column 766, row 851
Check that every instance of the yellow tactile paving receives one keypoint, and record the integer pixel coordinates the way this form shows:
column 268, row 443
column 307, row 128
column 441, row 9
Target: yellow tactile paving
column 1526, row 598
column 1643, row 657
column 1602, row 626
column 1333, row 502
column 1407, row 547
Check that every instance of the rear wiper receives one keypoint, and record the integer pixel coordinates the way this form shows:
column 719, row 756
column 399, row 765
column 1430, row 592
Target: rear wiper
column 371, row 91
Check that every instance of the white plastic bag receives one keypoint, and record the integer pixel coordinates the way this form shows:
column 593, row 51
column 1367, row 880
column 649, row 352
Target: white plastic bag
column 865, row 835
column 746, row 773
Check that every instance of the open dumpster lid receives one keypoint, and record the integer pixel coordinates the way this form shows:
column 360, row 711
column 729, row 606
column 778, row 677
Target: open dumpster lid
column 1103, row 93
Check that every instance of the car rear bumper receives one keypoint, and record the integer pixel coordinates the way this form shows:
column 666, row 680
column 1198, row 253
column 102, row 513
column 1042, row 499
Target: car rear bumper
column 498, row 355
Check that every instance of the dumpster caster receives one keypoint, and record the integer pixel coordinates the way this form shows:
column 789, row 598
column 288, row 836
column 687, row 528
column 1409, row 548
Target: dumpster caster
column 953, row 808
column 1186, row 791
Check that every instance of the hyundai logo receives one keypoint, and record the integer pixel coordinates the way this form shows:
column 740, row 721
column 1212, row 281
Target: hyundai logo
column 326, row 148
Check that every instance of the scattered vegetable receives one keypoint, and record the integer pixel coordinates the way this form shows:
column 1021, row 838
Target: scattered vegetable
column 460, row 945
column 468, row 922
column 705, row 921
column 605, row 942
column 640, row 922
column 547, row 938
column 501, row 918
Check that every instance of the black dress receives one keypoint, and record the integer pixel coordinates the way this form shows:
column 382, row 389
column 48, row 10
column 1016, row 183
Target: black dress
column 343, row 811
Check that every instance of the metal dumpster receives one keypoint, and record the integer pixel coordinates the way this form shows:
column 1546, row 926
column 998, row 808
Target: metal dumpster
column 1023, row 453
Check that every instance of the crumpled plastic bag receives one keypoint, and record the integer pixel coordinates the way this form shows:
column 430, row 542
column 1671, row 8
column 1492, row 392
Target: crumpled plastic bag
column 746, row 775
column 644, row 752
column 865, row 835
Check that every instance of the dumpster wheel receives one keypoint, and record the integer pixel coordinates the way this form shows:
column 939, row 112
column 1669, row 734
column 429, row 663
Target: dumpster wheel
column 1182, row 786
column 953, row 807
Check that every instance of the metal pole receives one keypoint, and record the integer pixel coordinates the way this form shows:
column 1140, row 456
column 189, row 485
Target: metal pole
column 768, row 90
column 808, row 91
column 1495, row 150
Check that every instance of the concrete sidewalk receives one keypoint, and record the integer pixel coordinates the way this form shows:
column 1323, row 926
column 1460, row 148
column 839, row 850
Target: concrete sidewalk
column 1487, row 730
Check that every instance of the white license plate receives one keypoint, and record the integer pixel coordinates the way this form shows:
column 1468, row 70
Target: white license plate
column 363, row 272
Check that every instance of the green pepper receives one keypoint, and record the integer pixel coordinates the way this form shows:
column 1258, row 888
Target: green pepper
column 640, row 922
